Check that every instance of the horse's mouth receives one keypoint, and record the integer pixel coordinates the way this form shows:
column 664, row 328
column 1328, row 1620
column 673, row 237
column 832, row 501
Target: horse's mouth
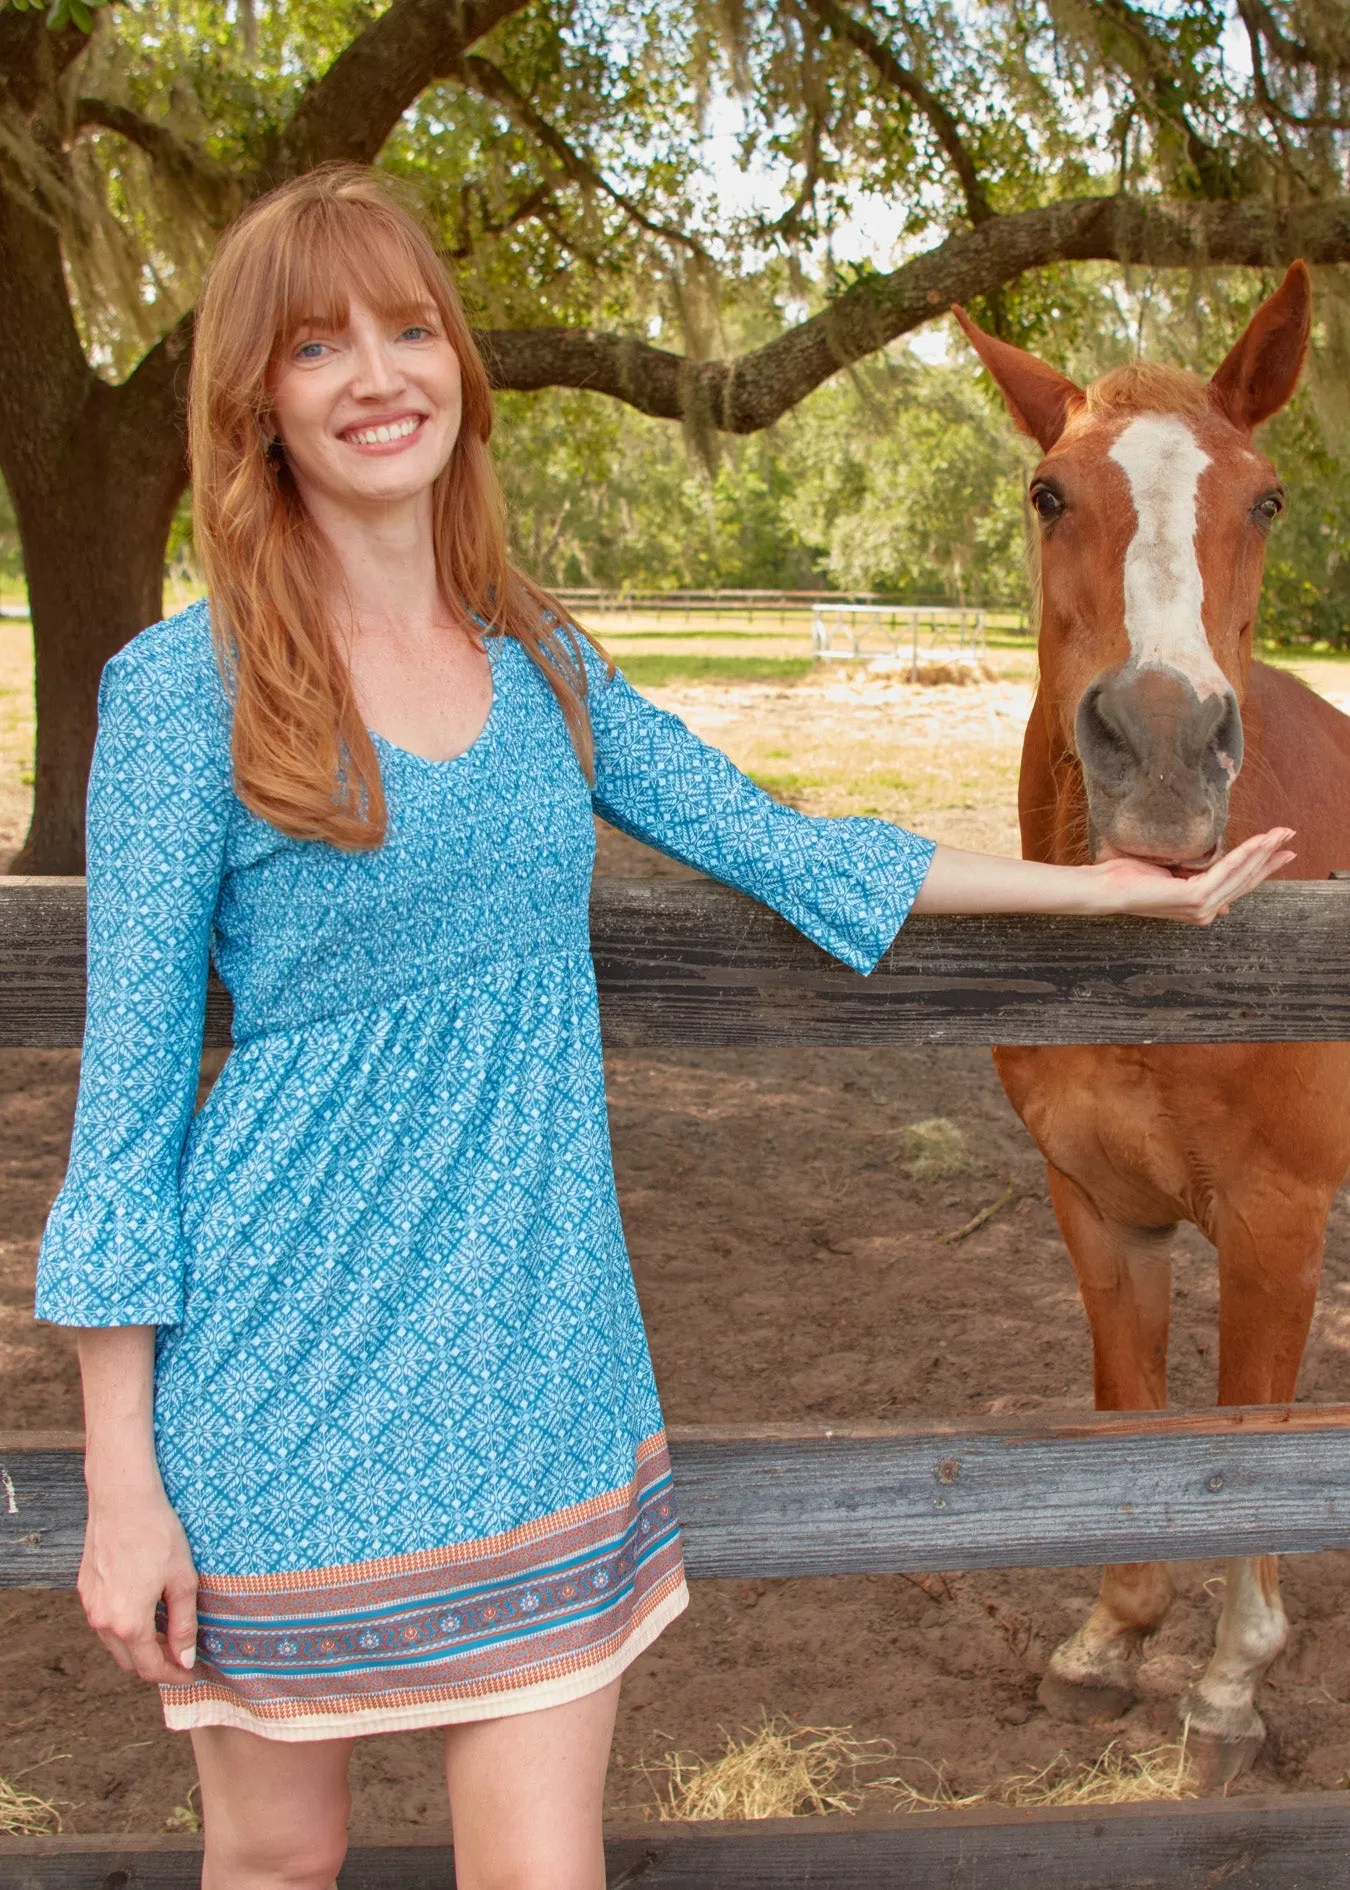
column 1180, row 869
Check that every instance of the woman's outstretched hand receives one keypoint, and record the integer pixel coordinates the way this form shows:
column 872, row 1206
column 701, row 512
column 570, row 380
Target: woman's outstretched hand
column 1156, row 892
column 988, row 882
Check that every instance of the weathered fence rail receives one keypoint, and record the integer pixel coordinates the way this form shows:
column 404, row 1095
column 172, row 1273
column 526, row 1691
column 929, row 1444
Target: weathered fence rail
column 1257, row 1843
column 685, row 964
column 682, row 963
column 786, row 1499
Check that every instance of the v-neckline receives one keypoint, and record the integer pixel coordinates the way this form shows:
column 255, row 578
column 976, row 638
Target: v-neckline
column 491, row 648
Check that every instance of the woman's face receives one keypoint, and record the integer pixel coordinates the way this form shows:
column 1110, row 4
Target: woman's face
column 368, row 413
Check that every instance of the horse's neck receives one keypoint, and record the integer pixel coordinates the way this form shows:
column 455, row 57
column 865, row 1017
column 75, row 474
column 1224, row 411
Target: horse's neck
column 1295, row 773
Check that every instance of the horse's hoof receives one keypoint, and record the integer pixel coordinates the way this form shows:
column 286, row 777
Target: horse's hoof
column 1214, row 1763
column 1221, row 1743
column 1085, row 1701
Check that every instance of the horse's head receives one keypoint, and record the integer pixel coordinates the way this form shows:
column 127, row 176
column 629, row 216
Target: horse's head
column 1152, row 511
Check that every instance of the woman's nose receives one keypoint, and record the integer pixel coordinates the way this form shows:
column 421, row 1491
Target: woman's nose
column 376, row 369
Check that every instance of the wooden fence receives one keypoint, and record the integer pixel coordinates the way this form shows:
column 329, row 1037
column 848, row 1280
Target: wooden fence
column 680, row 964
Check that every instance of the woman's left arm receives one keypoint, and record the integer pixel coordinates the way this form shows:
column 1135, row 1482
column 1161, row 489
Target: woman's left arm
column 850, row 883
column 847, row 884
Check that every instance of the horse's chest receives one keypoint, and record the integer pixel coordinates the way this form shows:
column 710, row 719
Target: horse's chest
column 1164, row 1129
column 1105, row 1117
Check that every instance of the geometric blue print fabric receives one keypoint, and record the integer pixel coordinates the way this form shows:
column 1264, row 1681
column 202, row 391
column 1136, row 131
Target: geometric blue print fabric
column 394, row 1305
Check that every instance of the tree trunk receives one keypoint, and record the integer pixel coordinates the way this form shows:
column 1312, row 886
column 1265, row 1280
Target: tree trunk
column 93, row 545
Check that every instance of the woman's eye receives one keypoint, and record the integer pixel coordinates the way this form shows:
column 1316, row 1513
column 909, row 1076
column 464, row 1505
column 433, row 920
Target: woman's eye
column 415, row 333
column 1046, row 502
column 310, row 351
column 1270, row 507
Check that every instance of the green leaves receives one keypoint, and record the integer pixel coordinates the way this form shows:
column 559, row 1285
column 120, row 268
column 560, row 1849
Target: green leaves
column 78, row 13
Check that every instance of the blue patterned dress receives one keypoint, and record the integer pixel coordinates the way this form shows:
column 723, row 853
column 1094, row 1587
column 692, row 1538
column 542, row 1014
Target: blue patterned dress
column 403, row 1399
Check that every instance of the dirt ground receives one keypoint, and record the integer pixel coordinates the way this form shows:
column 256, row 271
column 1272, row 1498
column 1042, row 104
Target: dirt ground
column 841, row 1303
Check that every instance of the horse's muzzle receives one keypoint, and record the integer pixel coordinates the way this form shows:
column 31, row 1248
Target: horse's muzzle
column 1158, row 762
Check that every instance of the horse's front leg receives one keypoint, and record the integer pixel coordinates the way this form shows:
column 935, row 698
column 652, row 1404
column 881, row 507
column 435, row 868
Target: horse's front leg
column 1270, row 1257
column 1125, row 1276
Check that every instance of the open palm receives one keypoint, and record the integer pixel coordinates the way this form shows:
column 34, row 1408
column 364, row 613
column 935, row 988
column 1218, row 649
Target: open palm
column 1147, row 890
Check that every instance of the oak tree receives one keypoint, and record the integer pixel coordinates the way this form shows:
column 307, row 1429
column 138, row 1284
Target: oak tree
column 562, row 148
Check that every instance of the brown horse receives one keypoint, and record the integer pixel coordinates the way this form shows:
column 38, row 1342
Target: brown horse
column 1155, row 734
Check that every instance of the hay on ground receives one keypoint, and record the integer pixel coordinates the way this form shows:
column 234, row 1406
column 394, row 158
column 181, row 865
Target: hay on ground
column 1116, row 1777
column 934, row 1150
column 774, row 1770
column 24, row 1814
column 779, row 1769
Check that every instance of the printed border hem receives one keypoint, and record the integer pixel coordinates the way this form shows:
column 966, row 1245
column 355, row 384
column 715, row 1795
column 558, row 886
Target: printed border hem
column 449, row 1709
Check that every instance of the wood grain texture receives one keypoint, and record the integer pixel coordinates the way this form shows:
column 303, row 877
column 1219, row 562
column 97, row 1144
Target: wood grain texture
column 802, row 1500
column 682, row 963
column 1296, row 1842
column 42, row 1510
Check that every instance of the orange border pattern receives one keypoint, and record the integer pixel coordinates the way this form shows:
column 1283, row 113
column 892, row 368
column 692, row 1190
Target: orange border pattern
column 538, row 1604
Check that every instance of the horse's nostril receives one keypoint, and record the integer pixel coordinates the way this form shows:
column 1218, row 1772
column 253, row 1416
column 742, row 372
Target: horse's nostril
column 1228, row 736
column 1100, row 732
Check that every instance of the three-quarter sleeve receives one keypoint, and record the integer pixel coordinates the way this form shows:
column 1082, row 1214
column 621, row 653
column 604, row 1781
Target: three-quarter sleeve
column 159, row 794
column 848, row 884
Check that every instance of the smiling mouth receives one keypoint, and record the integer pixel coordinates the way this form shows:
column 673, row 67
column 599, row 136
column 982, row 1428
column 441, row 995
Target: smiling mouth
column 390, row 433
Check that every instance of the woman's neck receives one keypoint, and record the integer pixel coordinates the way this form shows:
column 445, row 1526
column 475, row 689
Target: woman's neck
column 387, row 562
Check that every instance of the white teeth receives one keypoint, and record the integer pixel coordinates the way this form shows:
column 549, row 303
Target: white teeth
column 377, row 436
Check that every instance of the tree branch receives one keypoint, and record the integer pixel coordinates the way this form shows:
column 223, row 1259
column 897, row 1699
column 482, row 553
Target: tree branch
column 1294, row 52
column 1213, row 167
column 1252, row 18
column 754, row 390
column 209, row 184
column 482, row 76
column 845, row 26
column 349, row 111
column 529, row 206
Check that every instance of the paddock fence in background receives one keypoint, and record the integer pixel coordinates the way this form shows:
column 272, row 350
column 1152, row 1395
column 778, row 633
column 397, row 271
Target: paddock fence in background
column 702, row 610
column 697, row 964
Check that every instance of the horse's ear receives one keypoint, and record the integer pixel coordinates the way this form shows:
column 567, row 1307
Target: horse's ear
column 1039, row 399
column 1261, row 372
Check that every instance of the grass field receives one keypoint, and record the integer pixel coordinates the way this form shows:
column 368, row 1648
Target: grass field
column 836, row 738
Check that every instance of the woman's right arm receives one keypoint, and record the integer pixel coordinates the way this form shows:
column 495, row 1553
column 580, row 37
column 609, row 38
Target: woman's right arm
column 135, row 1551
column 113, row 1259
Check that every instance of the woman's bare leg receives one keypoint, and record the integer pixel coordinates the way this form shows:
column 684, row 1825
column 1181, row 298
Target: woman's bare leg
column 526, row 1796
column 274, row 1813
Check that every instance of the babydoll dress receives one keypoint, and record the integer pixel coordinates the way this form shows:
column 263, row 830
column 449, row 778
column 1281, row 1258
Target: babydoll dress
column 404, row 1404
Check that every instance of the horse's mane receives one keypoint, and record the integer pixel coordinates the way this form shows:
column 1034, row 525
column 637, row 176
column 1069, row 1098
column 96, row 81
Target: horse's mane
column 1148, row 387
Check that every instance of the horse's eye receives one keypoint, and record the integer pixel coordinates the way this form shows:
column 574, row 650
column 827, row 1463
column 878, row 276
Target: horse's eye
column 1270, row 507
column 1047, row 503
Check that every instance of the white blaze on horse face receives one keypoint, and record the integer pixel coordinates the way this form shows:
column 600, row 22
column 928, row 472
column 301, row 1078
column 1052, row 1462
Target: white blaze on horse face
column 1164, row 591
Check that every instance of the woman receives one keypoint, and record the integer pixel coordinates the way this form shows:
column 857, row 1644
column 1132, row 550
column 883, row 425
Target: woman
column 373, row 1440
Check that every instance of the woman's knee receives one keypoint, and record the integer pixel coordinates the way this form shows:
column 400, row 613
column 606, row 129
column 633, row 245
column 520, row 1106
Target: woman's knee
column 307, row 1857
column 531, row 1874
column 275, row 1816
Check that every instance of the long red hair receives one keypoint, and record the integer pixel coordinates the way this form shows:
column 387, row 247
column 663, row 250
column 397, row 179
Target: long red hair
column 303, row 759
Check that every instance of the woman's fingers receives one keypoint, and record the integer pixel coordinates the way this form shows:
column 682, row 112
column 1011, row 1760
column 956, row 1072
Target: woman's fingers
column 180, row 1598
column 1253, row 871
column 1239, row 873
column 141, row 1651
column 118, row 1652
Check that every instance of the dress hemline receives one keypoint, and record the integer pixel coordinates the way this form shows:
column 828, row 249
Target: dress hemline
column 450, row 1709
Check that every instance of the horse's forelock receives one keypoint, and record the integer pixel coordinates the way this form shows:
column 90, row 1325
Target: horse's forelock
column 1148, row 387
